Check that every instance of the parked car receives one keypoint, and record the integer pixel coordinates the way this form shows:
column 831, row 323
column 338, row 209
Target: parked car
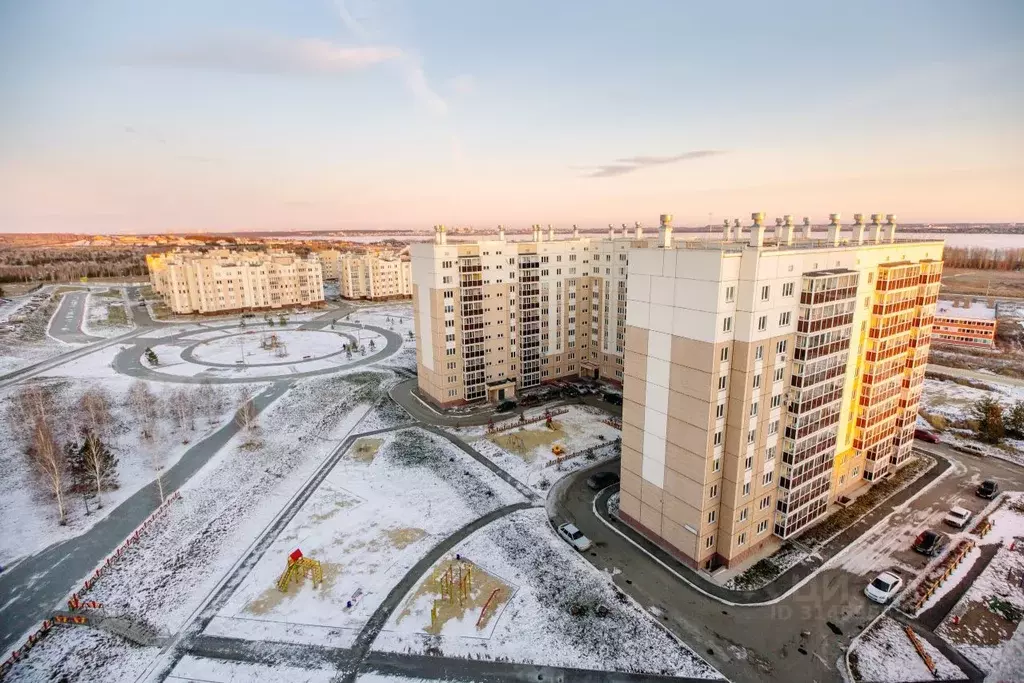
column 958, row 517
column 505, row 406
column 930, row 542
column 530, row 400
column 571, row 392
column 600, row 480
column 551, row 394
column 927, row 436
column 583, row 389
column 988, row 489
column 613, row 398
column 574, row 537
column 884, row 588
column 969, row 449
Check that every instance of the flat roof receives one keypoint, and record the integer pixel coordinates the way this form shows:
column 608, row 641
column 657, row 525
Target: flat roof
column 975, row 310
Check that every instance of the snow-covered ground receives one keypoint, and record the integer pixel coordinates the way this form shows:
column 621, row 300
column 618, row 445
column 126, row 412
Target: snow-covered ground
column 981, row 634
column 955, row 577
column 220, row 671
column 30, row 517
column 106, row 313
column 526, row 452
column 223, row 508
column 551, row 608
column 885, row 654
column 954, row 402
column 270, row 346
column 385, row 504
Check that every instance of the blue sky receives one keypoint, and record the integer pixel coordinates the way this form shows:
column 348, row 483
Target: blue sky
column 132, row 115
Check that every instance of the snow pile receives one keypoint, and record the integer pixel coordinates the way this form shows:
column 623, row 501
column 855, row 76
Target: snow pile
column 561, row 612
column 385, row 504
column 953, row 579
column 885, row 654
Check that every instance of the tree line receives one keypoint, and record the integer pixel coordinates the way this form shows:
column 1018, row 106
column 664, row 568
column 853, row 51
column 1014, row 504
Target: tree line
column 67, row 447
column 65, row 264
column 995, row 422
column 984, row 258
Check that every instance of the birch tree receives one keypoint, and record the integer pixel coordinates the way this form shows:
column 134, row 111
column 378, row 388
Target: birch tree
column 50, row 464
column 143, row 403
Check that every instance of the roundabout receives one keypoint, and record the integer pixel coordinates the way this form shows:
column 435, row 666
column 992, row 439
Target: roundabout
column 232, row 354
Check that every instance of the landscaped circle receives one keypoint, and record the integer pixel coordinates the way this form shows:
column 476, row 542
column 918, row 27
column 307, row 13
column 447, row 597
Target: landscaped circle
column 254, row 348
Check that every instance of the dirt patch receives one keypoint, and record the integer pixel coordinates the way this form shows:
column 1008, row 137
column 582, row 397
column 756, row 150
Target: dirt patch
column 982, row 282
column 981, row 626
column 365, row 450
column 524, row 442
column 406, row 536
column 269, row 599
column 460, row 605
column 337, row 506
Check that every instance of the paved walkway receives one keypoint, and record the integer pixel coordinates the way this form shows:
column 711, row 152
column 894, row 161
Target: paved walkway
column 31, row 589
column 987, row 377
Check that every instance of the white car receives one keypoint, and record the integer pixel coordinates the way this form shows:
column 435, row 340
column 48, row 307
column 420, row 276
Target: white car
column 958, row 517
column 574, row 537
column 885, row 586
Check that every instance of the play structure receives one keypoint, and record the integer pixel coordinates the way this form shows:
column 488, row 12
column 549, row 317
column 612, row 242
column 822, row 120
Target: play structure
column 298, row 567
column 558, row 449
column 453, row 587
column 271, row 342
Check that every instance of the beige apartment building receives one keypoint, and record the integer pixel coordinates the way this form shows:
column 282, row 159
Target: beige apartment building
column 224, row 280
column 766, row 376
column 494, row 317
column 375, row 276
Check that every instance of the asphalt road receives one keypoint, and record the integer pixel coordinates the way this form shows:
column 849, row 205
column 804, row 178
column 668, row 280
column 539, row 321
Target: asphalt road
column 987, row 377
column 30, row 590
column 767, row 642
column 66, row 323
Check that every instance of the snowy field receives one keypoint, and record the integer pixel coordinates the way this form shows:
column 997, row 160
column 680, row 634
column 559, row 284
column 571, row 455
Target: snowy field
column 106, row 313
column 552, row 608
column 386, row 503
column 30, row 517
column 954, row 401
column 982, row 633
column 219, row 671
column 223, row 508
column 526, row 452
column 885, row 654
column 269, row 346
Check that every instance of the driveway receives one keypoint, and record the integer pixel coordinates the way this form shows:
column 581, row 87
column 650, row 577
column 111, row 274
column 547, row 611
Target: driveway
column 66, row 323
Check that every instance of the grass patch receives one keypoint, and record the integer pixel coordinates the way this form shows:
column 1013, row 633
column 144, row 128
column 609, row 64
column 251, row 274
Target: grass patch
column 938, row 422
column 112, row 293
column 767, row 570
column 116, row 315
column 64, row 289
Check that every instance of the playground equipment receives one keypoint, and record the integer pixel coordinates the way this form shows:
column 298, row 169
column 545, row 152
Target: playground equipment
column 452, row 586
column 483, row 610
column 299, row 566
column 558, row 449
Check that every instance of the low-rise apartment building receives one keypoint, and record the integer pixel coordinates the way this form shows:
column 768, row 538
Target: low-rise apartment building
column 224, row 280
column 966, row 322
column 371, row 275
column 495, row 316
column 766, row 376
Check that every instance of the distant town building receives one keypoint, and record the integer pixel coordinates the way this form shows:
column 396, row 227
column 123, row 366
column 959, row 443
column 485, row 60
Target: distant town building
column 967, row 322
column 372, row 275
column 223, row 280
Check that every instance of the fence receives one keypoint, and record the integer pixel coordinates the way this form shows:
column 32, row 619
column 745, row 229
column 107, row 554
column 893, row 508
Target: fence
column 523, row 421
column 942, row 572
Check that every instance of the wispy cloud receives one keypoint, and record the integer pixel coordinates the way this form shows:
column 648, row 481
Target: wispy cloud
column 269, row 55
column 462, row 84
column 412, row 67
column 629, row 164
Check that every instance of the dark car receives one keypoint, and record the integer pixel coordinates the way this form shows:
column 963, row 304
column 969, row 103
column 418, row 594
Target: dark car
column 505, row 406
column 551, row 394
column 600, row 480
column 571, row 392
column 926, row 436
column 613, row 398
column 988, row 489
column 530, row 400
column 930, row 542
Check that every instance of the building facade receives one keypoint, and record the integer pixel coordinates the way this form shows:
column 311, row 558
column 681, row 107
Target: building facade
column 372, row 275
column 494, row 317
column 767, row 376
column 224, row 280
column 965, row 322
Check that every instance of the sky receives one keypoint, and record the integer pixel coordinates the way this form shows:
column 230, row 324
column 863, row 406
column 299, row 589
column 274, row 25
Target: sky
column 228, row 115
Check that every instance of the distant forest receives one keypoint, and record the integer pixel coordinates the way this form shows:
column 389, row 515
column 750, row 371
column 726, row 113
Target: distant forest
column 62, row 264
column 983, row 258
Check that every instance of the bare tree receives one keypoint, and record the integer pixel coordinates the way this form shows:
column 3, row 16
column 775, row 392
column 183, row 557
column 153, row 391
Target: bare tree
column 182, row 405
column 100, row 464
column 143, row 403
column 32, row 404
column 94, row 409
column 49, row 462
column 247, row 415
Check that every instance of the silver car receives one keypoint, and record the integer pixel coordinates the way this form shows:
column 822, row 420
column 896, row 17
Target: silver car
column 574, row 537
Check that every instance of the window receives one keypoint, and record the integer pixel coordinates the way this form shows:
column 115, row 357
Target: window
column 773, row 427
column 742, row 538
column 757, row 381
column 766, row 502
column 759, row 352
column 753, row 409
column 762, row 526
column 748, row 462
column 779, row 374
column 720, row 410
column 769, row 453
column 784, row 319
column 766, row 293
column 711, row 516
column 743, row 514
column 713, row 491
column 718, row 438
column 762, row 323
column 725, row 353
column 721, row 383
column 716, row 465
column 730, row 294
column 768, row 476
column 776, row 400
column 727, row 325
column 746, row 489
column 752, row 436
column 709, row 542
column 787, row 289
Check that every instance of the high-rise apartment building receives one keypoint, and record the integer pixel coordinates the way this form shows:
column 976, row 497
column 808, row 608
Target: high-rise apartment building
column 766, row 377
column 496, row 316
column 223, row 280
